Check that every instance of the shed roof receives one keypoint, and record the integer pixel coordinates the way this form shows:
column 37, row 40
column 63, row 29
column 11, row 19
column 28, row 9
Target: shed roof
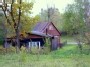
column 40, row 26
column 40, row 34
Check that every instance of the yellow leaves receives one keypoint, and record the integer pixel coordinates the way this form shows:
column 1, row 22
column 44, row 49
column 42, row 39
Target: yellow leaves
column 25, row 7
column 26, row 22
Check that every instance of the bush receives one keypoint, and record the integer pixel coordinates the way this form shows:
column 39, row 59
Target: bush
column 1, row 42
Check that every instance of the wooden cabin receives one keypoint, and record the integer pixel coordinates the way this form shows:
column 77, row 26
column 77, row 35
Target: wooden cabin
column 37, row 37
column 44, row 30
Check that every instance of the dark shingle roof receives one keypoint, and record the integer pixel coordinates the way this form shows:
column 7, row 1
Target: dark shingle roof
column 40, row 26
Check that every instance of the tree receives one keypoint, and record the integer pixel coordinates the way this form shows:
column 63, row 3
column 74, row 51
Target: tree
column 77, row 21
column 1, row 28
column 51, row 15
column 18, row 15
column 73, row 18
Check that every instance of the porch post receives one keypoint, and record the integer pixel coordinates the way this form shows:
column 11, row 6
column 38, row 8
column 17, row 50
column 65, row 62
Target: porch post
column 39, row 45
column 29, row 46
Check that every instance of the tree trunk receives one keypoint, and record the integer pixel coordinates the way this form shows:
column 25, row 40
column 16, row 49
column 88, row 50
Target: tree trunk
column 17, row 30
column 17, row 24
column 17, row 40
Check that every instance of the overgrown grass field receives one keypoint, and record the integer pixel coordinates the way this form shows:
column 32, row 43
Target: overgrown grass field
column 67, row 38
column 68, row 56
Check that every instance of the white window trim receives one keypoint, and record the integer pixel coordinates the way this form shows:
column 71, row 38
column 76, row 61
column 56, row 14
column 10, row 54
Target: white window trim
column 34, row 44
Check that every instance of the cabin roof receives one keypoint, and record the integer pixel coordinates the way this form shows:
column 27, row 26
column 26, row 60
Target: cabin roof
column 40, row 34
column 40, row 26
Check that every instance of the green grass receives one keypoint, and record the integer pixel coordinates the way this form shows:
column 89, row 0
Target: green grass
column 68, row 56
column 67, row 38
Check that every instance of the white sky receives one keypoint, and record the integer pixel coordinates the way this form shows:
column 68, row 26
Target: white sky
column 60, row 4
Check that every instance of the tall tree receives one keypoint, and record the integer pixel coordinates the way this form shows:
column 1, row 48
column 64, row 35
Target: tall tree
column 1, row 27
column 73, row 18
column 77, row 20
column 51, row 15
column 18, row 17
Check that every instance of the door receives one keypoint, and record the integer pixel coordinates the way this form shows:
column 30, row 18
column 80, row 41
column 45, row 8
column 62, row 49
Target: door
column 54, row 43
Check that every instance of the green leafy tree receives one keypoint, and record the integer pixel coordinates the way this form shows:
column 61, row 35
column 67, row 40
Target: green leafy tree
column 18, row 18
column 76, row 20
column 1, row 29
column 73, row 18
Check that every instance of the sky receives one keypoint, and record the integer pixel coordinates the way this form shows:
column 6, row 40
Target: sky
column 60, row 4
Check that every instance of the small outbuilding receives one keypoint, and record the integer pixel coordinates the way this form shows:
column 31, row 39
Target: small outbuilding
column 44, row 30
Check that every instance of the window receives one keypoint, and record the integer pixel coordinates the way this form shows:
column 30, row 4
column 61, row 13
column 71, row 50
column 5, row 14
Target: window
column 34, row 44
column 50, row 27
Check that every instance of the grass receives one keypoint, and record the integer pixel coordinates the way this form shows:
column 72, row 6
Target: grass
column 67, row 38
column 68, row 56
